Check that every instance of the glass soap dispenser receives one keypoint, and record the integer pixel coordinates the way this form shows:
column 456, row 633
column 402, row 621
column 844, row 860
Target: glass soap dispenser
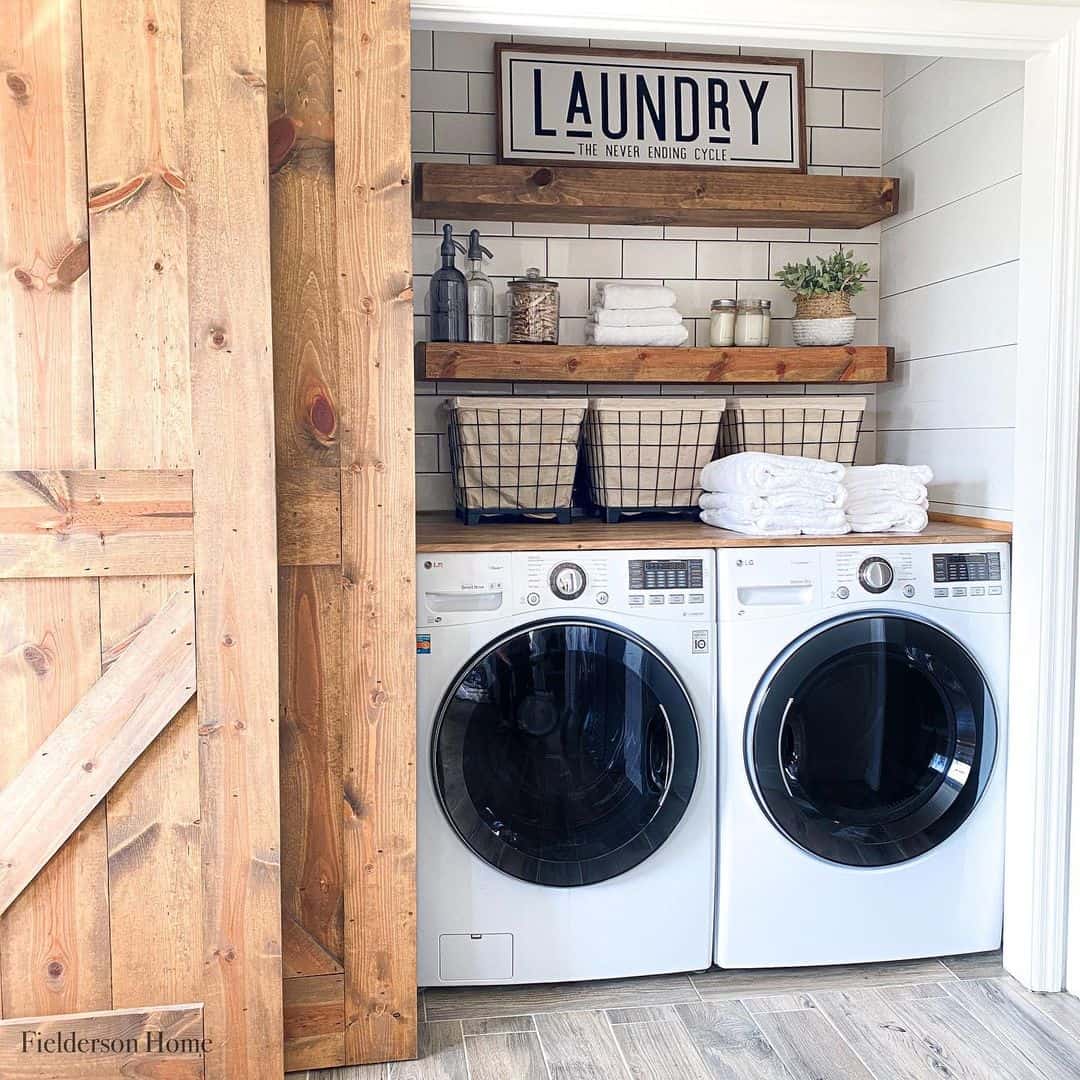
column 481, row 292
column 449, row 294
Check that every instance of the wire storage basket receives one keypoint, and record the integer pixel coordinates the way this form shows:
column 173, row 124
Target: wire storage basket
column 515, row 455
column 826, row 428
column 646, row 454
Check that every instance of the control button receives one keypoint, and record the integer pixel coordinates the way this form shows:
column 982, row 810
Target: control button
column 941, row 592
column 602, row 598
column 995, row 590
column 959, row 592
column 978, row 592
column 568, row 581
column 909, row 591
column 697, row 598
column 875, row 574
column 532, row 599
column 656, row 598
column 843, row 592
column 699, row 641
column 637, row 601
column 676, row 598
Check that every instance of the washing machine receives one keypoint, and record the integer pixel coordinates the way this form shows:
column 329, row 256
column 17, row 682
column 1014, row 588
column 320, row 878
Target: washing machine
column 566, row 804
column 862, row 737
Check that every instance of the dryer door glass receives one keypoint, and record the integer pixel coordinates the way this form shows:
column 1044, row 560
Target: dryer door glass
column 873, row 740
column 566, row 753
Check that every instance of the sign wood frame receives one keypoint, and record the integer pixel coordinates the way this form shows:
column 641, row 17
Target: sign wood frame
column 701, row 62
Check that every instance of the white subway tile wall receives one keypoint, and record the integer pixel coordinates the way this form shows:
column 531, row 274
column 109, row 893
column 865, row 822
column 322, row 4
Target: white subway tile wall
column 453, row 121
column 952, row 133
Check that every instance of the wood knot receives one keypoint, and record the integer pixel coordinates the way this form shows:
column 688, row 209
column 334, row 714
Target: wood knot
column 24, row 279
column 366, row 305
column 322, row 417
column 379, row 697
column 227, row 640
column 88, row 766
column 281, row 138
column 542, row 177
column 55, row 969
column 151, row 26
column 158, row 267
column 239, row 725
column 17, row 86
column 218, row 339
column 38, row 660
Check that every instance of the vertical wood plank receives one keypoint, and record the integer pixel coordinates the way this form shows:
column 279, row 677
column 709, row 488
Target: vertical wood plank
column 54, row 941
column 235, row 535
column 142, row 409
column 373, row 226
column 300, row 104
column 312, row 882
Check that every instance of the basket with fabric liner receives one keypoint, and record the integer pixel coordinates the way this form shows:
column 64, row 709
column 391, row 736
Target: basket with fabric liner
column 646, row 454
column 514, row 455
column 826, row 428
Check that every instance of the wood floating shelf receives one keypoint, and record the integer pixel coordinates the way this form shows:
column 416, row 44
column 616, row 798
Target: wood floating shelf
column 640, row 364
column 650, row 196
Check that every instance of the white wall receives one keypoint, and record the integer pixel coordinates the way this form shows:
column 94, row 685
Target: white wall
column 952, row 133
column 453, row 120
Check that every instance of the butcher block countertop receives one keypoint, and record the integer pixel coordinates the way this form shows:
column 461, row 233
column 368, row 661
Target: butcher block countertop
column 443, row 533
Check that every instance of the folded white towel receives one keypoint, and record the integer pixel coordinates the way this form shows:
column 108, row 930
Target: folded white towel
column 749, row 506
column 906, row 482
column 753, row 473
column 625, row 294
column 636, row 335
column 652, row 316
column 902, row 517
column 876, row 503
column 826, row 523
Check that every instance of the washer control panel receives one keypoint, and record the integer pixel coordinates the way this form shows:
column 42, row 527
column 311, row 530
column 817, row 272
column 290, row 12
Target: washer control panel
column 875, row 574
column 568, row 581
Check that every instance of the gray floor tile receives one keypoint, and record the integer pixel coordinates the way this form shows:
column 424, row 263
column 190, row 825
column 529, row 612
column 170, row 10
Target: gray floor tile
column 488, row 1001
column 440, row 1055
column 810, row 1047
column 730, row 1042
column 1064, row 1008
column 1001, row 1005
column 643, row 1015
column 913, row 990
column 660, row 1051
column 719, row 984
column 515, row 1055
column 985, row 965
column 579, row 1046
column 778, row 1003
column 498, row 1025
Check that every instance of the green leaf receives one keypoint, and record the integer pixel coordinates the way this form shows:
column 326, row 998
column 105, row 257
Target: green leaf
column 839, row 273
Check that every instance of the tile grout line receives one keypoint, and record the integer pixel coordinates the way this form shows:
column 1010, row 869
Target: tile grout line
column 845, row 1040
column 540, row 1043
column 618, row 1046
column 465, row 1051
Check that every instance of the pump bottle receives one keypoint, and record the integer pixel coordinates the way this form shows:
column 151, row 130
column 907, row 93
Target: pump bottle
column 449, row 294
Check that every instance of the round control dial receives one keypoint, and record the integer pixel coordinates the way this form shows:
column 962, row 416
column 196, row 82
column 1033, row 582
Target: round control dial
column 875, row 574
column 568, row 581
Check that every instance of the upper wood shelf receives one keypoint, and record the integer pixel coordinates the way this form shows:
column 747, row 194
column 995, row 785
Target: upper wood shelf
column 637, row 363
column 650, row 196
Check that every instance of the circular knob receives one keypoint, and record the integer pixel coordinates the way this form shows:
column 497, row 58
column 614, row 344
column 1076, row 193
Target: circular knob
column 875, row 574
column 843, row 592
column 909, row 591
column 533, row 599
column 568, row 581
column 602, row 597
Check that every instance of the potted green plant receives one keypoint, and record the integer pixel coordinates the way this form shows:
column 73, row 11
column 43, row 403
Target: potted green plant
column 823, row 290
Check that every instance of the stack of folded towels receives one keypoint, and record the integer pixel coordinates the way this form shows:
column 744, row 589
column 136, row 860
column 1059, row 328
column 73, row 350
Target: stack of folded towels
column 774, row 495
column 887, row 498
column 630, row 314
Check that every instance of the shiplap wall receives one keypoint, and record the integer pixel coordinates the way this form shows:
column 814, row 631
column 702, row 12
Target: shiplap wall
column 453, row 120
column 952, row 133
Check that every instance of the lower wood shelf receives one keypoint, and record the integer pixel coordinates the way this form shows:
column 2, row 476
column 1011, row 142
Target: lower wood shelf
column 636, row 363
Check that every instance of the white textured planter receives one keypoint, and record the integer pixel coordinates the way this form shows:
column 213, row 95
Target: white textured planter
column 824, row 331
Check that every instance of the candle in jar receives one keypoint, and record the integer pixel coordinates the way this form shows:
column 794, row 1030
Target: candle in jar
column 749, row 324
column 722, row 323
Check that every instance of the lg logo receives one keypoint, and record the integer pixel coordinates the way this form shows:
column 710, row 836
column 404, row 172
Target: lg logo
column 744, row 562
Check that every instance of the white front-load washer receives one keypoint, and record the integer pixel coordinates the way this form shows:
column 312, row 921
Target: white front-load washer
column 862, row 737
column 566, row 810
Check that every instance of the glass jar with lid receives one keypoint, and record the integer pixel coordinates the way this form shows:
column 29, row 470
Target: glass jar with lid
column 722, row 323
column 533, row 310
column 750, row 324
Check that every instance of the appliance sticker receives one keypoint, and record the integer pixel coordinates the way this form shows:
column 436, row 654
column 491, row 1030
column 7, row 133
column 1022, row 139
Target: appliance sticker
column 423, row 644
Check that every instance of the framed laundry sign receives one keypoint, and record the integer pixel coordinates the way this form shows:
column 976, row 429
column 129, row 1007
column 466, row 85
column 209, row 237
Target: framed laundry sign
column 633, row 107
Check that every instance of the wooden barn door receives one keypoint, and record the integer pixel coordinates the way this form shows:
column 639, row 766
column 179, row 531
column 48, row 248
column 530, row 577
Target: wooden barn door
column 340, row 243
column 139, row 865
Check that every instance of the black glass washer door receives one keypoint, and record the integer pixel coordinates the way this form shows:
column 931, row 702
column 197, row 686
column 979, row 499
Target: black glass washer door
column 566, row 753
column 872, row 741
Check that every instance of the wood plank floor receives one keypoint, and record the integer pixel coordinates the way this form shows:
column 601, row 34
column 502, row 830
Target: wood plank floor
column 961, row 1017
